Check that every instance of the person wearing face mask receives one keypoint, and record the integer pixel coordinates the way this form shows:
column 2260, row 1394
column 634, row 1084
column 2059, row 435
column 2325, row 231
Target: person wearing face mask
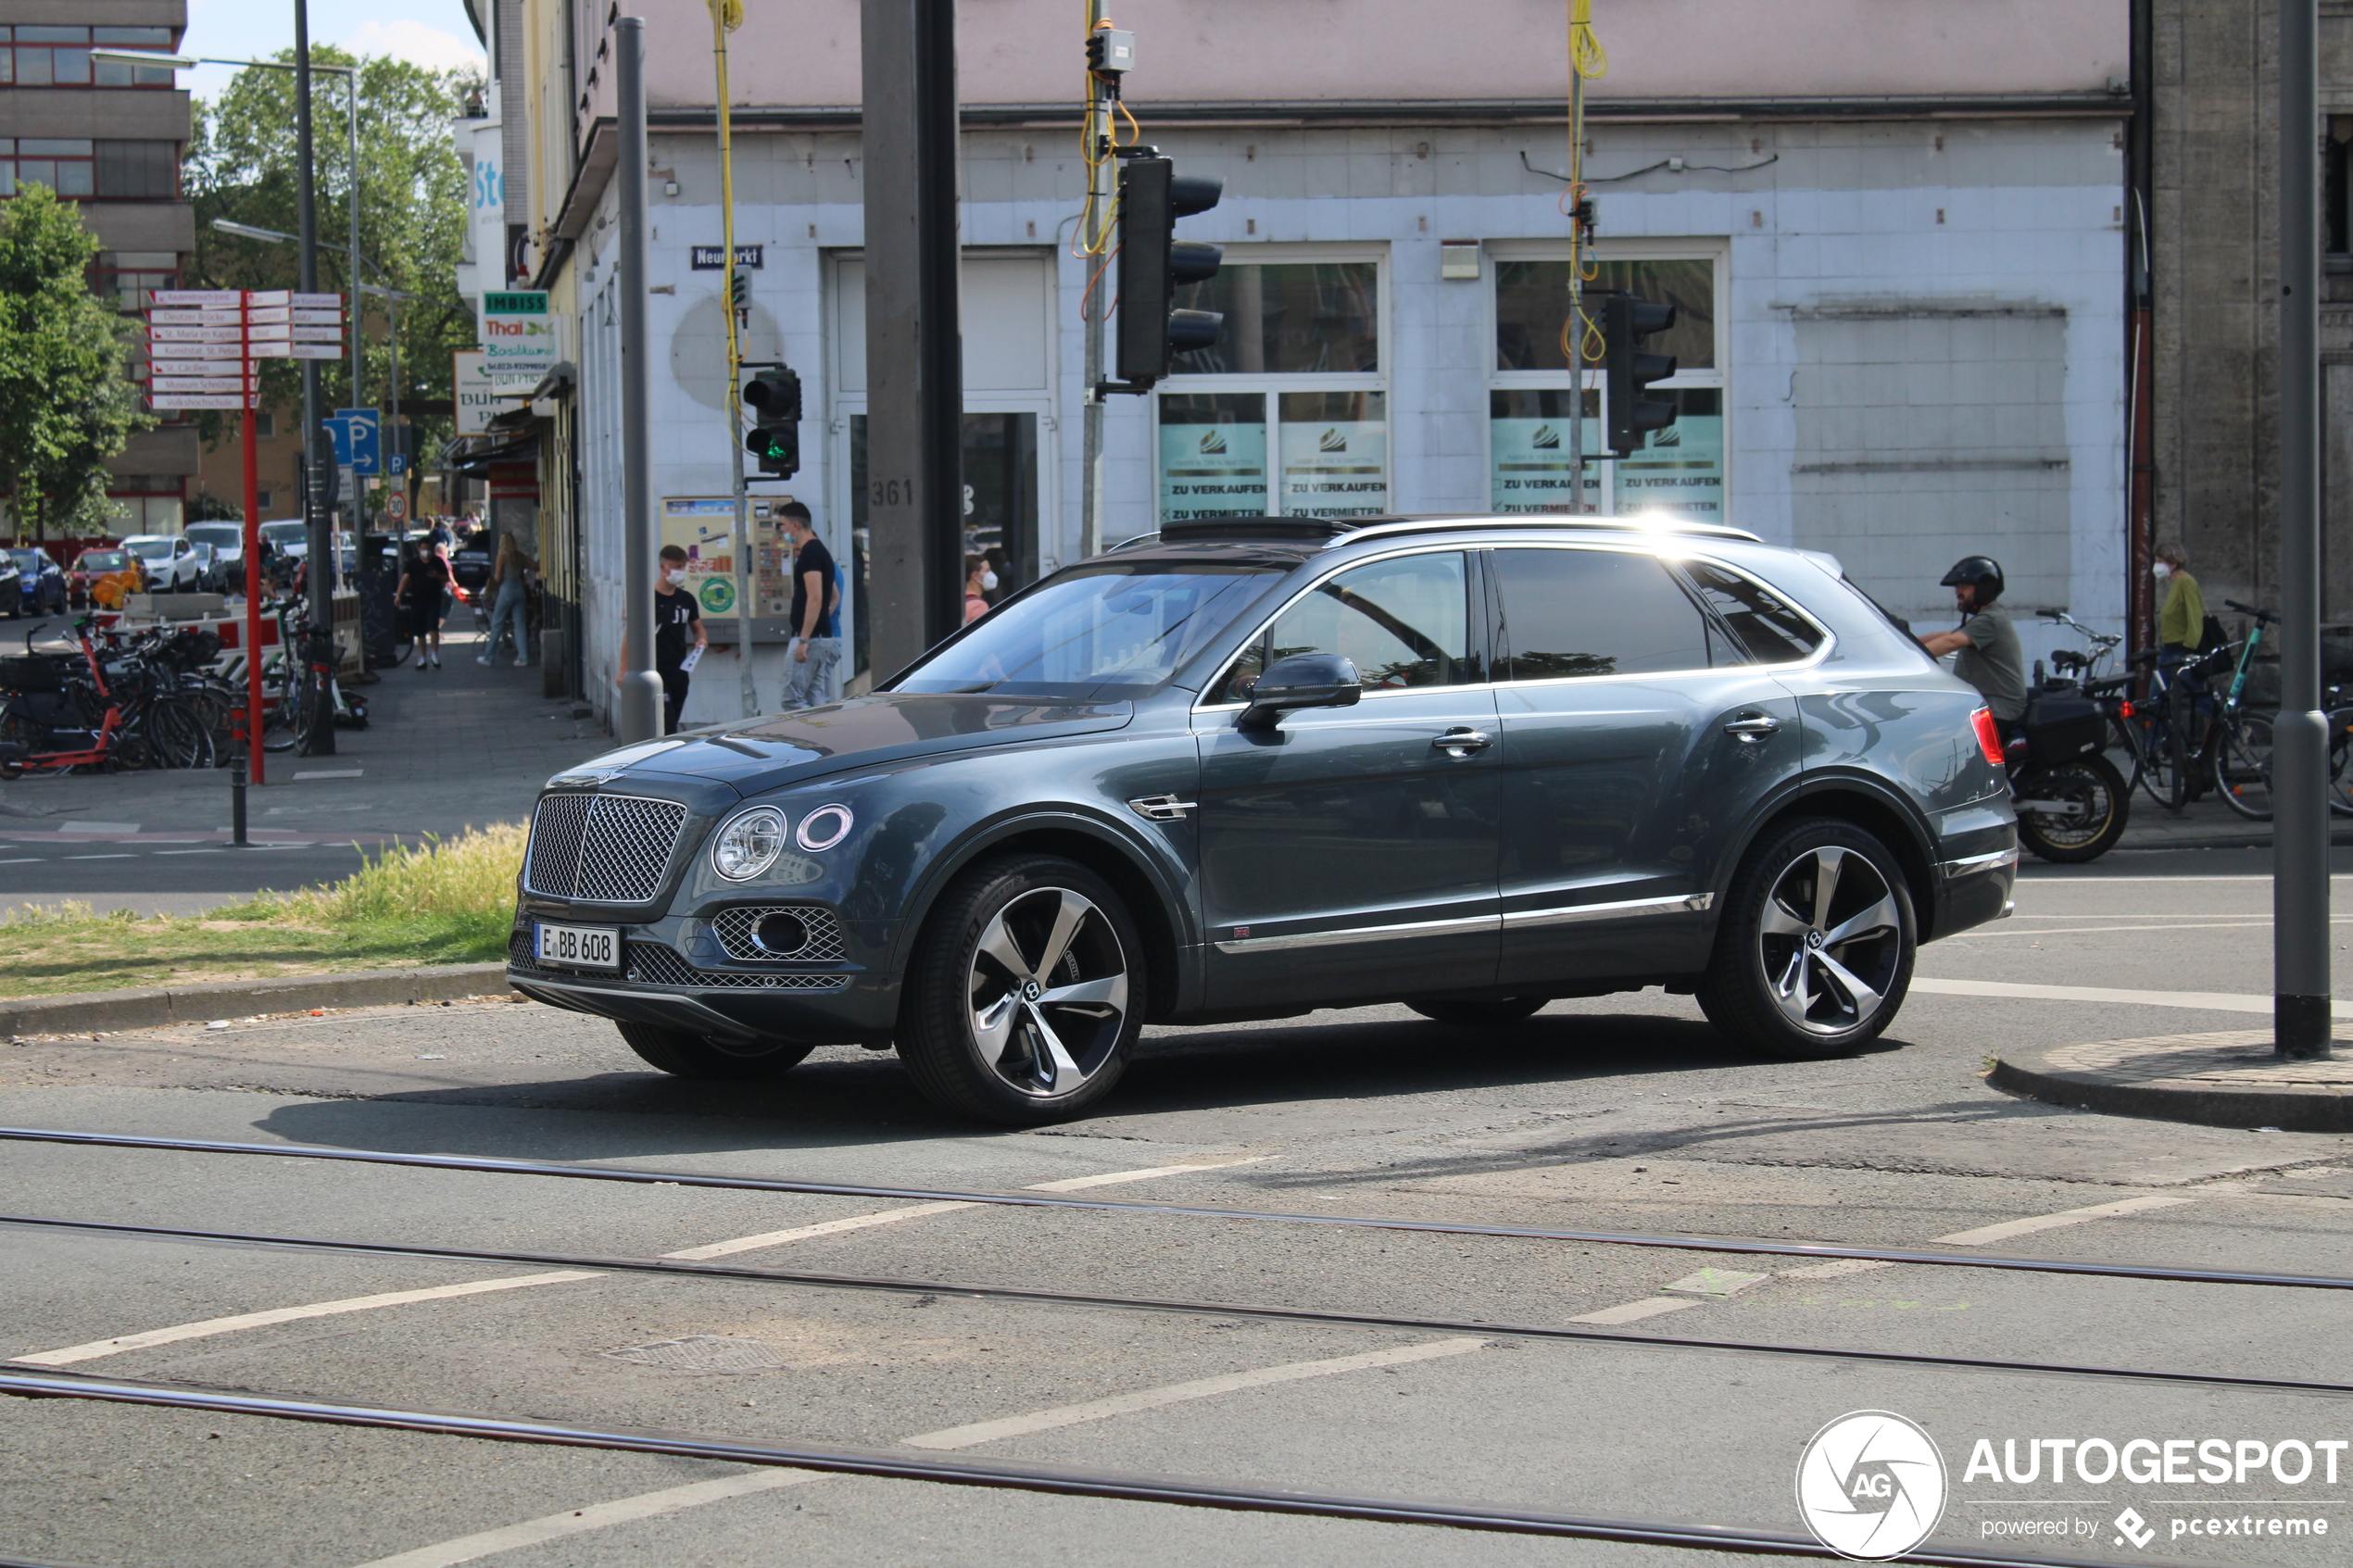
column 994, row 564
column 423, row 580
column 675, row 611
column 2181, row 618
column 976, row 594
column 816, row 613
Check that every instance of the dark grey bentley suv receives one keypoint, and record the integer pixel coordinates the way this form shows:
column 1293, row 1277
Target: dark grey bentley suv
column 1248, row 767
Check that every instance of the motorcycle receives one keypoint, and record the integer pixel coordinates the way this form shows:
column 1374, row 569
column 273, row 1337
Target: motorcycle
column 2072, row 805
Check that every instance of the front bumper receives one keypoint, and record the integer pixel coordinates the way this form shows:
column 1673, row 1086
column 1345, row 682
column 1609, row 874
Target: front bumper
column 829, row 1004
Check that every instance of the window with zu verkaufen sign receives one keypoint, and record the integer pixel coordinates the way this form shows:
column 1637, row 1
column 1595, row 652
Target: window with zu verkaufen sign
column 1287, row 412
column 1680, row 470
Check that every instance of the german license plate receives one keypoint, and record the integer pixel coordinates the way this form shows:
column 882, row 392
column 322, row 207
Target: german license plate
column 580, row 947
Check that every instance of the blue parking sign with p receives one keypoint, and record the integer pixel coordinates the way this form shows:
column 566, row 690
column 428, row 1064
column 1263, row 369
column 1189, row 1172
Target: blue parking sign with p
column 357, row 447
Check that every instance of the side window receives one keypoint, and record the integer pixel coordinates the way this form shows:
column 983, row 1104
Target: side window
column 1403, row 622
column 1594, row 612
column 1768, row 628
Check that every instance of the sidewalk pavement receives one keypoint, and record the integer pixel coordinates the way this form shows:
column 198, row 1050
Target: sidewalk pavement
column 445, row 749
column 2205, row 824
column 2229, row 1078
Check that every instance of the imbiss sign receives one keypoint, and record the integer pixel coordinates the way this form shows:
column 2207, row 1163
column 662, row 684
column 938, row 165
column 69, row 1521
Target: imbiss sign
column 518, row 335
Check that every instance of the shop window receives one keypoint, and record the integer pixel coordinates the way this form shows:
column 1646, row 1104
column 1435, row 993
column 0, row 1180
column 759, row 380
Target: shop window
column 1680, row 468
column 1212, row 455
column 1529, row 469
column 1308, row 318
column 1532, row 309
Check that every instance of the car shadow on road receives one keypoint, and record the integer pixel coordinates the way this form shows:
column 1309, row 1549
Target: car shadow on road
column 1215, row 1086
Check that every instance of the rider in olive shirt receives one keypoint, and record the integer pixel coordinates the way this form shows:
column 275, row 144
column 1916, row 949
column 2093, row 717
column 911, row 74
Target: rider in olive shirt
column 1990, row 658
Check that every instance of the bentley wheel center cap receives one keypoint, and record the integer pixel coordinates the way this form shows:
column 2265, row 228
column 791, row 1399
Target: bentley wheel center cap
column 1031, row 991
column 1814, row 939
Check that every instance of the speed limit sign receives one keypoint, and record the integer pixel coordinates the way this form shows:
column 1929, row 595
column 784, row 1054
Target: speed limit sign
column 397, row 504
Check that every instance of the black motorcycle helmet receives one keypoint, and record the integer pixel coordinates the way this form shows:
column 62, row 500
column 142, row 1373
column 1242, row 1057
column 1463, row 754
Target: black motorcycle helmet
column 1984, row 571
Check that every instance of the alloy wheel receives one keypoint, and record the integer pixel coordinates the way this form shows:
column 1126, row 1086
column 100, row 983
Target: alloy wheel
column 1830, row 940
column 1048, row 992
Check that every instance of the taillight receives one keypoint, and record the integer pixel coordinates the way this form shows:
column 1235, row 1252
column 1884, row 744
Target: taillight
column 2125, row 709
column 1989, row 735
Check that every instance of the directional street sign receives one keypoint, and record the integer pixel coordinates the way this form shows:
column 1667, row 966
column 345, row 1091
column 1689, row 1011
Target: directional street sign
column 202, row 343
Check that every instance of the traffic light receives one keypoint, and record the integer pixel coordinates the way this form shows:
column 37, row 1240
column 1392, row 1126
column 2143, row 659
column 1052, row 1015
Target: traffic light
column 774, row 392
column 1626, row 373
column 1153, row 262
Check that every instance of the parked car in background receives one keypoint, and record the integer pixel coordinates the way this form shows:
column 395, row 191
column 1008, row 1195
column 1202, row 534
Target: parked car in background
column 1250, row 767
column 11, row 576
column 91, row 567
column 228, row 542
column 40, row 585
column 170, row 560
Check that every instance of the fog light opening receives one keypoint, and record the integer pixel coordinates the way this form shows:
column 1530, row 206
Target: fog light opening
column 781, row 933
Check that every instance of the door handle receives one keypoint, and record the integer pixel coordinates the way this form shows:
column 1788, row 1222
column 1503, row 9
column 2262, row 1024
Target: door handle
column 1462, row 740
column 1753, row 726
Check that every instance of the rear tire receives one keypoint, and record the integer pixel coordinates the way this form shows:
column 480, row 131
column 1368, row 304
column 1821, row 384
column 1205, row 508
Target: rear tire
column 1815, row 950
column 2241, row 765
column 685, row 1054
column 2092, row 782
column 1491, row 1013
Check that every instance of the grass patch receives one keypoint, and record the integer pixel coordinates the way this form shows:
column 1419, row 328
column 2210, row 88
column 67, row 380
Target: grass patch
column 443, row 902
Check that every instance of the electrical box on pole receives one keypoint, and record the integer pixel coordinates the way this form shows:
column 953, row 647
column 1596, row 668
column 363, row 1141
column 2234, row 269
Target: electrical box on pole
column 1626, row 371
column 1154, row 264
column 774, row 392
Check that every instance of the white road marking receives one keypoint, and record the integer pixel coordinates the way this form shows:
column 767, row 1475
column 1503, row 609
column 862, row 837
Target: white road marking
column 2003, row 990
column 192, row 851
column 211, row 1326
column 670, row 1500
column 802, row 1232
column 1080, row 1184
column 100, row 857
column 24, row 861
column 2058, row 877
column 1177, row 1392
column 1635, row 1312
column 98, row 827
column 330, row 773
column 2009, row 1228
column 2262, row 924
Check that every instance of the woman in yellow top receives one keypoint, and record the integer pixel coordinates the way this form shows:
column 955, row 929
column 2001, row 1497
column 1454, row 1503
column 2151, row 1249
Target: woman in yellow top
column 2181, row 623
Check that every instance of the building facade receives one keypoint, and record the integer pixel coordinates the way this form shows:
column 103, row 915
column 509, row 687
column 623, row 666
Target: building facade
column 110, row 136
column 1897, row 252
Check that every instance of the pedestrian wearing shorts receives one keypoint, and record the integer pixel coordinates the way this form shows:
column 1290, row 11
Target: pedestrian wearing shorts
column 816, row 614
column 424, row 581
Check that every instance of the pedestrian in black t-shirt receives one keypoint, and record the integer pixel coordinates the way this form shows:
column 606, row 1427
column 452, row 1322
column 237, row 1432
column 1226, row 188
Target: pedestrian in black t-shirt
column 422, row 582
column 675, row 611
column 816, row 614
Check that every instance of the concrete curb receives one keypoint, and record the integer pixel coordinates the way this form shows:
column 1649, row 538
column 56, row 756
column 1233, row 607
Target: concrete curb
column 2308, row 1111
column 2257, row 836
column 148, row 1007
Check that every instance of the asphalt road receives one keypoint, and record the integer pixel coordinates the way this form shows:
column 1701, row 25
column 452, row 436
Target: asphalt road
column 1618, row 1114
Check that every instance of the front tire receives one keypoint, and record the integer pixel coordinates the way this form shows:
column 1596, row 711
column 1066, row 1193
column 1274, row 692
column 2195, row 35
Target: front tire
column 2091, row 783
column 1025, row 995
column 685, row 1054
column 1491, row 1013
column 1815, row 950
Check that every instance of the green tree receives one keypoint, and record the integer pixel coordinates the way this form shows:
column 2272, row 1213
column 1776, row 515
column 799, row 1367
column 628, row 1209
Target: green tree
column 67, row 404
column 412, row 217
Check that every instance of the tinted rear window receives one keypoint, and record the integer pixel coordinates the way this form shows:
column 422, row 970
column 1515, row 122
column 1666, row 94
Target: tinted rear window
column 1768, row 626
column 1594, row 612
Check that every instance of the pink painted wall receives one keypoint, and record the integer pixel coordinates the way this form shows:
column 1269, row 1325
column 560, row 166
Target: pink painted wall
column 805, row 52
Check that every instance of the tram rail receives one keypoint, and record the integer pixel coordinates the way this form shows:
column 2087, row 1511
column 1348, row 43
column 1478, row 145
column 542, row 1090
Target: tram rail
column 1825, row 1251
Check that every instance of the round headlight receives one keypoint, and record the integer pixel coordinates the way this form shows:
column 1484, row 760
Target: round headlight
column 825, row 827
column 748, row 844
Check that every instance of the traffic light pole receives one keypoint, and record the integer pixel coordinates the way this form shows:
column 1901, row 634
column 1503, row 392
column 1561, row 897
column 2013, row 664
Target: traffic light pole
column 1102, row 173
column 737, row 309
column 319, row 534
column 1575, row 332
column 2301, row 1016
column 638, row 713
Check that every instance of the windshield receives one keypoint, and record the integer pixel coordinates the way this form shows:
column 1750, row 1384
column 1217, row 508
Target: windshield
column 100, row 560
column 284, row 533
column 1106, row 631
column 28, row 560
column 149, row 550
column 220, row 535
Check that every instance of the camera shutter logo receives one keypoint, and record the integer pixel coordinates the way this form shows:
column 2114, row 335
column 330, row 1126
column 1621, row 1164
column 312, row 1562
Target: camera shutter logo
column 1870, row 1485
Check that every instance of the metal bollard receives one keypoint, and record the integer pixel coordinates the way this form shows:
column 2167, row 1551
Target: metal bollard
column 237, row 798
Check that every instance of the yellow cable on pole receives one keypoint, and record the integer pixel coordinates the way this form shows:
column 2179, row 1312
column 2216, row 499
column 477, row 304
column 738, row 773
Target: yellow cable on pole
column 1586, row 56
column 726, row 16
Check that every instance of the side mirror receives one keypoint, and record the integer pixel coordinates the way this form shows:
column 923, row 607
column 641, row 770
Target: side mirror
column 1304, row 680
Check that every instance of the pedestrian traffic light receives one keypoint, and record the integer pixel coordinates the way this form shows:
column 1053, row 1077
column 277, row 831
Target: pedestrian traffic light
column 774, row 392
column 1153, row 262
column 1626, row 371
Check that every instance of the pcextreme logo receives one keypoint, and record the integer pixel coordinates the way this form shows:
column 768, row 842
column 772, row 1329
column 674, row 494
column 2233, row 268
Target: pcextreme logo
column 1870, row 1485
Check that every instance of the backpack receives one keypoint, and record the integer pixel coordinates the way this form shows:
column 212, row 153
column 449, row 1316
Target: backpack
column 2213, row 638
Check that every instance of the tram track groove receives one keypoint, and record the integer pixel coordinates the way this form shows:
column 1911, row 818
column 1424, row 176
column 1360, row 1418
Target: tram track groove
column 1828, row 1251
column 592, row 1265
column 1025, row 1476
